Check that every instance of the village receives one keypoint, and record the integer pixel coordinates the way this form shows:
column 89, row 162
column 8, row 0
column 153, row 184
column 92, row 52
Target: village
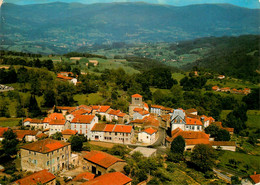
column 145, row 128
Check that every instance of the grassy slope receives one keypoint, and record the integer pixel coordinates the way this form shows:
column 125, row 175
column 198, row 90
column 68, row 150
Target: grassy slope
column 9, row 122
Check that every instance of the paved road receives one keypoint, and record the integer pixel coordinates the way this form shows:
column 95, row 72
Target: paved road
column 221, row 175
column 161, row 137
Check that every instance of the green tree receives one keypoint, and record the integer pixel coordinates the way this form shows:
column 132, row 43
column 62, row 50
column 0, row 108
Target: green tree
column 203, row 156
column 49, row 97
column 178, row 145
column 235, row 180
column 33, row 108
column 120, row 150
column 57, row 136
column 10, row 142
column 76, row 143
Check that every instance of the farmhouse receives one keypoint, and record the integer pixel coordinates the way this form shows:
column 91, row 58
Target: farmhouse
column 45, row 154
column 148, row 136
column 100, row 163
column 83, row 124
column 40, row 177
column 27, row 135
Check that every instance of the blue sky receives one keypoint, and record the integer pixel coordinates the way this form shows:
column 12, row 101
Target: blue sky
column 242, row 3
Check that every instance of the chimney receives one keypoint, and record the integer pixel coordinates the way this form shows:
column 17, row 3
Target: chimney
column 254, row 172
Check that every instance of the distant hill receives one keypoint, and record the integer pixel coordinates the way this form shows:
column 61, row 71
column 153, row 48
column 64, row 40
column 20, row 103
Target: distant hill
column 232, row 56
column 63, row 27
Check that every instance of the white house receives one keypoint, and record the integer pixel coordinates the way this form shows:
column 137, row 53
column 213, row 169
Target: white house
column 193, row 124
column 83, row 124
column 178, row 119
column 140, row 113
column 58, row 126
column 148, row 136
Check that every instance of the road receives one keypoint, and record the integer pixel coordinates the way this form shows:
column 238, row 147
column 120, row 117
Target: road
column 221, row 175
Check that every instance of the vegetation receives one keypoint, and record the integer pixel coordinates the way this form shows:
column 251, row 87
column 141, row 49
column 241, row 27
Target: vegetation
column 10, row 143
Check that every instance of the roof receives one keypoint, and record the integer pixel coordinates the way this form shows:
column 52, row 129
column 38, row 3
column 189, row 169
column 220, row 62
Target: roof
column 22, row 133
column 109, row 128
column 191, row 110
column 64, row 108
column 193, row 121
column 85, row 176
column 196, row 141
column 114, row 112
column 99, row 127
column 3, row 130
column 83, row 119
column 114, row 178
column 69, row 132
column 57, row 122
column 151, row 121
column 42, row 135
column 45, row 146
column 64, row 77
column 188, row 135
column 56, row 116
column 255, row 178
column 150, row 131
column 81, row 111
column 102, row 159
column 123, row 128
column 121, row 114
column 136, row 96
column 33, row 120
column 223, row 143
column 103, row 108
column 146, row 105
column 141, row 111
column 156, row 106
column 43, row 176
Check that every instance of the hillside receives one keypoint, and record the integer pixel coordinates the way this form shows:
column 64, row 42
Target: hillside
column 63, row 27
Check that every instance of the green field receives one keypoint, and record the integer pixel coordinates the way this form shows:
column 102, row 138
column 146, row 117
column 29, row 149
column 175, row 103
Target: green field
column 90, row 99
column 253, row 119
column 178, row 76
column 252, row 161
column 9, row 122
column 232, row 83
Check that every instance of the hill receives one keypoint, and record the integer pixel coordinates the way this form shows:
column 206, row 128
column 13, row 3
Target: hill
column 63, row 27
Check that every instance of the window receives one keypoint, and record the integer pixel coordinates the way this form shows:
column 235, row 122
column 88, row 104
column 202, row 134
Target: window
column 52, row 152
column 116, row 133
column 29, row 152
column 147, row 137
column 30, row 160
column 58, row 151
column 47, row 154
column 34, row 153
column 58, row 159
column 75, row 126
column 48, row 163
column 53, row 160
column 126, row 134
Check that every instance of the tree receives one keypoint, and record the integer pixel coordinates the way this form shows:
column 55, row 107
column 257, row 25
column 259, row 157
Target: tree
column 57, row 136
column 235, row 180
column 178, row 145
column 10, row 142
column 252, row 100
column 49, row 97
column 33, row 109
column 120, row 150
column 76, row 143
column 222, row 135
column 203, row 156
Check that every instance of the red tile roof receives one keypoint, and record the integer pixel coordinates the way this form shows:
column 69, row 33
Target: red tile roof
column 146, row 105
column 42, row 135
column 33, row 120
column 40, row 177
column 151, row 121
column 3, row 130
column 255, row 178
column 150, row 131
column 99, row 127
column 191, row 110
column 85, row 176
column 57, row 122
column 102, row 159
column 215, row 88
column 223, row 143
column 136, row 96
column 103, row 108
column 83, row 119
column 81, row 112
column 157, row 106
column 193, row 121
column 69, row 132
column 137, row 109
column 109, row 128
column 56, row 116
column 114, row 112
column 64, row 77
column 22, row 133
column 123, row 128
column 114, row 178
column 121, row 114
column 45, row 146
column 196, row 141
column 64, row 108
column 141, row 111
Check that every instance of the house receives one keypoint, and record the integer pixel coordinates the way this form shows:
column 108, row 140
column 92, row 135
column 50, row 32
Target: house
column 191, row 138
column 255, row 178
column 58, row 126
column 112, row 133
column 2, row 131
column 215, row 88
column 66, row 134
column 160, row 110
column 112, row 115
column 94, row 62
column 192, row 111
column 33, row 123
column 246, row 91
column 53, row 116
column 122, row 118
column 103, row 111
column 68, row 78
column 114, row 178
column 49, row 154
column 137, row 102
column 193, row 124
column 40, row 177
column 63, row 110
column 221, row 77
column 147, row 152
column 148, row 121
column 149, row 135
column 225, row 89
column 139, row 113
column 206, row 121
column 178, row 119
column 83, row 124
column 85, row 176
column 224, row 145
column 100, row 163
column 27, row 135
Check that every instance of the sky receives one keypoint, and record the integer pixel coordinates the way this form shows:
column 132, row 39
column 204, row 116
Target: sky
column 242, row 3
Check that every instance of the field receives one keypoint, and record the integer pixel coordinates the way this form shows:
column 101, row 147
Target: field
column 244, row 161
column 232, row 83
column 91, row 99
column 9, row 122
column 253, row 119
